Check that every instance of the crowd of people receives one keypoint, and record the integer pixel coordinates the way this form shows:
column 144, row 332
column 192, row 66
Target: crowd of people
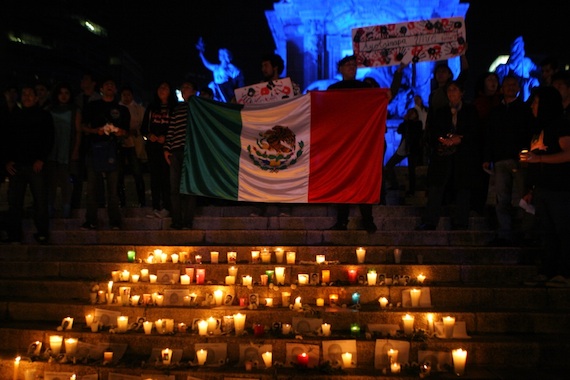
column 58, row 142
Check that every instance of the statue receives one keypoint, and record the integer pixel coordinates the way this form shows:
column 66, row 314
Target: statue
column 521, row 66
column 227, row 77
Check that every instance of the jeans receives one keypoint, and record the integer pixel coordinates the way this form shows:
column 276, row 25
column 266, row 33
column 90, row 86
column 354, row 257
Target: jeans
column 113, row 209
column 509, row 182
column 183, row 205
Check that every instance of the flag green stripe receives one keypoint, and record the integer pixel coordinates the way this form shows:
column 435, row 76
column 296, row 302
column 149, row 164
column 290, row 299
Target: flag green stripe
column 211, row 158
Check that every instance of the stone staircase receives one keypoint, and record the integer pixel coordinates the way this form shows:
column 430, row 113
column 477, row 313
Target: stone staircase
column 512, row 331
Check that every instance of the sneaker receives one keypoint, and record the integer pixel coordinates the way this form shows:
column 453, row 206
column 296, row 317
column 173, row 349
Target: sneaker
column 88, row 226
column 558, row 282
column 162, row 213
column 154, row 214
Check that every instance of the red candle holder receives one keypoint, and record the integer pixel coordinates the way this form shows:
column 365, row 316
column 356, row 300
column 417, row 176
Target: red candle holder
column 352, row 275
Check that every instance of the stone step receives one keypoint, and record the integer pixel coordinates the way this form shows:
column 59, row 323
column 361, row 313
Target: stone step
column 344, row 254
column 478, row 309
column 515, row 351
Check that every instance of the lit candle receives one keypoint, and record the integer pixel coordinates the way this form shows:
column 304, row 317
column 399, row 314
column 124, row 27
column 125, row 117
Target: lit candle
column 430, row 323
column 408, row 321
column 291, row 257
column 265, row 256
column 285, row 299
column 190, row 272
column 320, row 259
column 116, row 275
column 198, row 259
column 347, row 360
column 395, row 367
column 232, row 271
column 183, row 256
column 67, row 323
column 263, row 279
column 303, row 278
column 70, row 346
column 153, row 278
column 254, row 257
column 130, row 256
column 185, row 279
column 169, row 325
column 201, row 356
column 55, row 342
column 297, row 305
column 107, row 356
column 159, row 299
column 230, row 280
column 110, row 287
column 174, row 258
column 200, row 276
column 421, row 278
column 360, row 255
column 352, row 274
column 320, row 302
column 94, row 326
column 122, row 323
column 16, row 367
column 239, row 323
column 415, row 297
column 269, row 302
column 326, row 276
column 166, row 356
column 303, row 359
column 144, row 274
column 459, row 360
column 333, row 299
column 355, row 329
column 135, row 300
column 356, row 298
column 280, row 275
column 101, row 296
column 135, row 277
column 163, row 257
column 383, row 302
column 89, row 319
column 147, row 326
column 285, row 328
column 214, row 257
column 218, row 296
column 270, row 276
column 267, row 359
column 393, row 355
column 279, row 255
column 150, row 259
column 232, row 257
column 326, row 328
column 246, row 280
column 448, row 324
column 203, row 327
column 371, row 277
column 397, row 255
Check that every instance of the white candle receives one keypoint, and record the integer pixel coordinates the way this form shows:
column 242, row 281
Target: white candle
column 110, row 287
column 430, row 323
column 101, row 296
column 16, row 367
column 325, row 276
column 89, row 319
column 326, row 328
column 135, row 300
column 279, row 255
column 267, row 359
column 147, row 326
column 70, row 346
column 232, row 257
column 347, row 360
column 150, row 259
column 166, row 356
column 185, row 279
column 125, row 276
column 421, row 278
column 183, row 256
column 232, row 271
column 67, row 323
column 408, row 321
column 269, row 302
column 371, row 277
column 198, row 259
column 190, row 272
column 94, row 326
column 246, row 280
column 218, row 296
column 116, row 275
column 297, row 305
column 320, row 302
column 320, row 259
column 285, row 329
column 239, row 323
column 393, row 355
column 333, row 299
column 55, row 342
column 448, row 324
column 163, row 257
column 203, row 327
column 230, row 280
column 107, row 356
column 265, row 256
column 360, row 255
column 291, row 257
column 214, row 257
column 459, row 360
column 415, row 297
column 169, row 325
column 254, row 257
column 383, row 302
column 395, row 367
column 303, row 279
column 174, row 258
column 159, row 299
column 122, row 323
column 153, row 278
column 285, row 299
column 144, row 274
column 280, row 275
column 201, row 356
column 135, row 277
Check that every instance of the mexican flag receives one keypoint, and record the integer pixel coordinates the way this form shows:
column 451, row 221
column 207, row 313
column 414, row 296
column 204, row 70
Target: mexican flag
column 322, row 147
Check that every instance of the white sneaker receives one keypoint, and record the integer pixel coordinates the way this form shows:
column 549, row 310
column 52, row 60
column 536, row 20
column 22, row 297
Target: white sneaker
column 162, row 213
column 154, row 214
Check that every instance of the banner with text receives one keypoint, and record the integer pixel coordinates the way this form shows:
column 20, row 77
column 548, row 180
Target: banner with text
column 413, row 41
